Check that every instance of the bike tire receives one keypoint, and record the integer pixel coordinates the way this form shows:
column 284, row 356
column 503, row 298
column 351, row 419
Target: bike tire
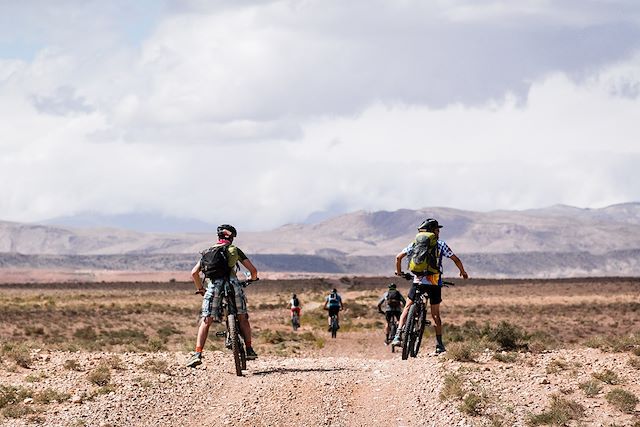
column 235, row 344
column 409, row 335
column 419, row 327
column 393, row 328
column 334, row 327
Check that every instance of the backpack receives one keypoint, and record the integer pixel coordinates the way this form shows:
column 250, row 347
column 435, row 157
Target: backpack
column 424, row 260
column 393, row 299
column 333, row 300
column 215, row 262
column 295, row 302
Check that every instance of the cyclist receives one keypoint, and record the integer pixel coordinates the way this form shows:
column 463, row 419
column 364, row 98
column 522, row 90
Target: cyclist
column 393, row 301
column 294, row 305
column 213, row 294
column 333, row 303
column 432, row 283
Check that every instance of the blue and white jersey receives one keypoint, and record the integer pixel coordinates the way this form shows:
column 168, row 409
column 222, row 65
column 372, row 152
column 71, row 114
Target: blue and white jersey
column 442, row 250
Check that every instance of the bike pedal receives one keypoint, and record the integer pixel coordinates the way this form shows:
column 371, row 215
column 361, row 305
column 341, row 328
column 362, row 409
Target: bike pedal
column 221, row 333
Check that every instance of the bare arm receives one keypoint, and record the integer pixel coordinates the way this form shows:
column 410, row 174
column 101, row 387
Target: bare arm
column 195, row 275
column 252, row 269
column 399, row 258
column 458, row 264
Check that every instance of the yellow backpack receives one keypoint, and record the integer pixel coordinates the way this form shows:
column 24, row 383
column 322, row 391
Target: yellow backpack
column 424, row 258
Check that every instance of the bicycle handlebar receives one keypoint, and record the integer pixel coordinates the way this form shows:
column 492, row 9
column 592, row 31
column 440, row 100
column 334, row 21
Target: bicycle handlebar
column 244, row 284
column 409, row 276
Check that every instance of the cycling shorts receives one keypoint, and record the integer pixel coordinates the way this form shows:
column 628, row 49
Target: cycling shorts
column 391, row 314
column 213, row 296
column 433, row 292
column 333, row 310
column 295, row 310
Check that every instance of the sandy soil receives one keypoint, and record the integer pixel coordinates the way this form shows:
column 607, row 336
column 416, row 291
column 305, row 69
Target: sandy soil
column 353, row 380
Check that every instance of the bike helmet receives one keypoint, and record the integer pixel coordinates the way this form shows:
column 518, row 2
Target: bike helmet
column 429, row 224
column 226, row 231
column 293, row 296
column 392, row 286
column 334, row 291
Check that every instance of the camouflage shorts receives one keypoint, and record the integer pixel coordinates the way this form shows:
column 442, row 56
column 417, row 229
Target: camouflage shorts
column 213, row 295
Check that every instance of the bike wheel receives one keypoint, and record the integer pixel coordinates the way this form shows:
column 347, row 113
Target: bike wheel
column 243, row 355
column 409, row 334
column 295, row 323
column 419, row 327
column 334, row 327
column 235, row 344
column 393, row 327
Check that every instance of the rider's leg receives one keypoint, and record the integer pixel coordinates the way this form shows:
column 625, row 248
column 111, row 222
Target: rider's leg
column 435, row 315
column 203, row 332
column 245, row 328
column 403, row 316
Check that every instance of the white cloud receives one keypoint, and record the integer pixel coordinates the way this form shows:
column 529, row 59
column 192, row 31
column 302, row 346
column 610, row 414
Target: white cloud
column 265, row 112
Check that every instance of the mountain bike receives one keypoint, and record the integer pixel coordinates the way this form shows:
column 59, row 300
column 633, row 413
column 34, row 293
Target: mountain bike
column 416, row 320
column 392, row 328
column 295, row 320
column 232, row 334
column 334, row 325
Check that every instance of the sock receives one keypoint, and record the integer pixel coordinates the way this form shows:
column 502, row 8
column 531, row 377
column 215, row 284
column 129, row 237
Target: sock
column 198, row 349
column 439, row 339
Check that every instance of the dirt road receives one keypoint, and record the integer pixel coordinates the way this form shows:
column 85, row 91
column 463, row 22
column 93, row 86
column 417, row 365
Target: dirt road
column 341, row 385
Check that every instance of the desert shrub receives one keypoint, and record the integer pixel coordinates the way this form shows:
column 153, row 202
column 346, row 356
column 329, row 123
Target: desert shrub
column 508, row 336
column 100, row 376
column 165, row 331
column 125, row 336
column 86, row 334
column 156, row 344
column 72, row 365
column 18, row 410
column 590, row 388
column 19, row 353
column 559, row 413
column 115, row 362
column 33, row 330
column 50, row 395
column 462, row 352
column 636, row 350
column 634, row 362
column 622, row 400
column 451, row 387
column 613, row 343
column 556, row 365
column 472, row 404
column 607, row 376
column 106, row 389
column 505, row 357
column 159, row 366
column 10, row 395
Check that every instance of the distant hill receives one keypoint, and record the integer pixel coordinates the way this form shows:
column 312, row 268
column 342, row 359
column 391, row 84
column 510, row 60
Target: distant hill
column 559, row 241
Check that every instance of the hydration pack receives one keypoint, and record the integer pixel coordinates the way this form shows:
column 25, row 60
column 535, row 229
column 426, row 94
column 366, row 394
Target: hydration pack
column 215, row 262
column 393, row 299
column 424, row 260
column 333, row 300
column 295, row 302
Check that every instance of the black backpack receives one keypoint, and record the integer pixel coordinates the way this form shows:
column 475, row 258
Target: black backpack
column 215, row 262
column 393, row 299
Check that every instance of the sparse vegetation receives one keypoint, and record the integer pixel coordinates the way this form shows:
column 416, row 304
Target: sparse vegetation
column 505, row 357
column 559, row 413
column 556, row 365
column 634, row 362
column 158, row 366
column 100, row 376
column 472, row 404
column 462, row 352
column 72, row 365
column 623, row 400
column 50, row 395
column 19, row 353
column 607, row 376
column 590, row 388
column 452, row 387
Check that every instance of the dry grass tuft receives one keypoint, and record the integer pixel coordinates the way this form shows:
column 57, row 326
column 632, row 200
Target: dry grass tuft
column 100, row 376
column 607, row 376
column 623, row 400
column 590, row 388
column 559, row 413
column 452, row 387
column 472, row 404
column 462, row 352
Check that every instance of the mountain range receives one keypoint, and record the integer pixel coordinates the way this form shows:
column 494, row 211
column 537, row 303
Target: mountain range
column 558, row 241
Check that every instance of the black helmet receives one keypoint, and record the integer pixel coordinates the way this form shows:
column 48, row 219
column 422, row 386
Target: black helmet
column 392, row 286
column 229, row 228
column 429, row 224
column 293, row 296
column 334, row 291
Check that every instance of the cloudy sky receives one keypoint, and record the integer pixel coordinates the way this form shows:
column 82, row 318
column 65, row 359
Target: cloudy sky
column 261, row 113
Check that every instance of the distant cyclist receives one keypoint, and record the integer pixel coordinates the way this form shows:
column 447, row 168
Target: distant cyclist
column 393, row 302
column 294, row 305
column 333, row 303
column 214, row 282
column 429, row 278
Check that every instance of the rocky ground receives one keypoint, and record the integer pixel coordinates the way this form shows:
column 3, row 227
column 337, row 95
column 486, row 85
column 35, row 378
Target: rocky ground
column 339, row 386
